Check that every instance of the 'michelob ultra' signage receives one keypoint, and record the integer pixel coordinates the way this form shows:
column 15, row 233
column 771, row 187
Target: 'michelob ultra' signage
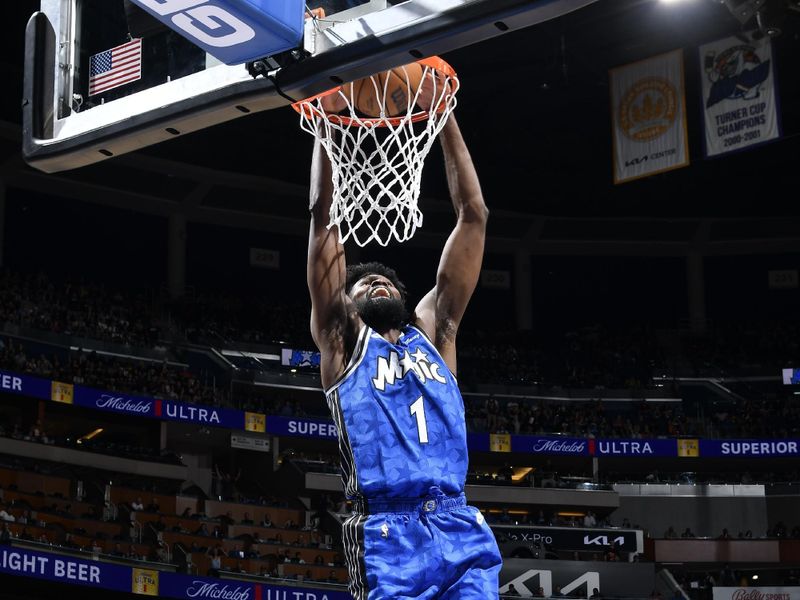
column 122, row 578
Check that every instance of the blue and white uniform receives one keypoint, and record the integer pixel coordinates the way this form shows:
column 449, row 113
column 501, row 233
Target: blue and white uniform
column 403, row 445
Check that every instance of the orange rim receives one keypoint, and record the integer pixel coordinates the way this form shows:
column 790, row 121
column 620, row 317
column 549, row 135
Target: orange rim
column 434, row 62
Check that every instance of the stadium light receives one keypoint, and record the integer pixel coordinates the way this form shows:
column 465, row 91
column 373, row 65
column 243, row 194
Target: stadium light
column 90, row 435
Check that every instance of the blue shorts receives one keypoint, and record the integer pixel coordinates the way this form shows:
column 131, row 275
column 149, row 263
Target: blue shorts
column 435, row 548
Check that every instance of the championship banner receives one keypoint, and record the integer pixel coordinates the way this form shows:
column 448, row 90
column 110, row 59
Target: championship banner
column 757, row 593
column 739, row 96
column 145, row 582
column 688, row 448
column 255, row 422
column 61, row 392
column 500, row 442
column 649, row 117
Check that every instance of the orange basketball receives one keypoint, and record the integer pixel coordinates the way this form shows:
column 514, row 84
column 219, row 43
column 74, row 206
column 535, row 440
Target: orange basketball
column 399, row 86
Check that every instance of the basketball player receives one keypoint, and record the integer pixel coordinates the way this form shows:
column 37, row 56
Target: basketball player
column 390, row 382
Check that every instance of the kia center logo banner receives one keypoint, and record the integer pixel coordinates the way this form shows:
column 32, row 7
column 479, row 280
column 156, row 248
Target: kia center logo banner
column 578, row 579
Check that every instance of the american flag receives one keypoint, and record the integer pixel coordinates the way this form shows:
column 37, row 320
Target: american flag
column 115, row 67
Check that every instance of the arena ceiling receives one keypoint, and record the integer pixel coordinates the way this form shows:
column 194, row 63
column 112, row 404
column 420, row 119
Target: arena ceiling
column 535, row 111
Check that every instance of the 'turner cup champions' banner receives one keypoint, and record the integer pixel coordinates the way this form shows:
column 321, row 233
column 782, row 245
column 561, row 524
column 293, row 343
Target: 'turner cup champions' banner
column 739, row 96
column 649, row 117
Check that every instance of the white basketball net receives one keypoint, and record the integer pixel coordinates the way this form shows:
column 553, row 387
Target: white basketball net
column 377, row 161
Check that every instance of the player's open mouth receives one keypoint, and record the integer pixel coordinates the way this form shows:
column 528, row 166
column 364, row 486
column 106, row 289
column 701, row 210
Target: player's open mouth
column 380, row 292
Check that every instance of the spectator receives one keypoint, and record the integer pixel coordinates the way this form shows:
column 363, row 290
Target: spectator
column 137, row 505
column 670, row 533
column 215, row 554
column 266, row 521
column 227, row 483
column 589, row 520
column 161, row 553
column 727, row 577
column 688, row 533
column 159, row 524
column 246, row 520
column 6, row 516
column 512, row 591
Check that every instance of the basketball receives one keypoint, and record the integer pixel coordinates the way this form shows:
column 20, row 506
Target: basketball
column 398, row 83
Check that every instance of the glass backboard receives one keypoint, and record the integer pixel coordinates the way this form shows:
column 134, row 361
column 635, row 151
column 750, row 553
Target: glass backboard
column 170, row 87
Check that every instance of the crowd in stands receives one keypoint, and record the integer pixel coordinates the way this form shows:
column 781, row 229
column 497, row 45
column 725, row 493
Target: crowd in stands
column 596, row 357
column 143, row 530
column 225, row 319
column 586, row 419
column 592, row 356
column 80, row 309
column 749, row 417
column 97, row 371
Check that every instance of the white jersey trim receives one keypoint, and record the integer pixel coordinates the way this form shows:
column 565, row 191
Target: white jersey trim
column 435, row 349
column 359, row 352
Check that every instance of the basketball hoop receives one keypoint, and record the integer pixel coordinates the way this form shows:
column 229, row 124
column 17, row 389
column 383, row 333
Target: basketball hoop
column 377, row 159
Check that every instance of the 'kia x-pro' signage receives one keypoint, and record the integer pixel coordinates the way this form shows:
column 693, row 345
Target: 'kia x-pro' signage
column 512, row 537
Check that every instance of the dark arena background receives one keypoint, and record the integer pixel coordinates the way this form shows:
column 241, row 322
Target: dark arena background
column 629, row 362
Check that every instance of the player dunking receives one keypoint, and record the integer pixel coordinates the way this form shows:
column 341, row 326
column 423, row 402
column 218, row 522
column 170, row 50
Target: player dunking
column 389, row 378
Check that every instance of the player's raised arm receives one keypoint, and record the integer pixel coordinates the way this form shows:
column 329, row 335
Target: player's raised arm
column 440, row 311
column 330, row 306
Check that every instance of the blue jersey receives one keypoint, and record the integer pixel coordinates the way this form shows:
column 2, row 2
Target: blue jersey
column 400, row 418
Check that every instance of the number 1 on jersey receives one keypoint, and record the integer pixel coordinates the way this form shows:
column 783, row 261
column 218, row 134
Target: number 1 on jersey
column 418, row 410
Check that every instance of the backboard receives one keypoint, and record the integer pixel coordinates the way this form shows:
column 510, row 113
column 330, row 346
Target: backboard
column 175, row 87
